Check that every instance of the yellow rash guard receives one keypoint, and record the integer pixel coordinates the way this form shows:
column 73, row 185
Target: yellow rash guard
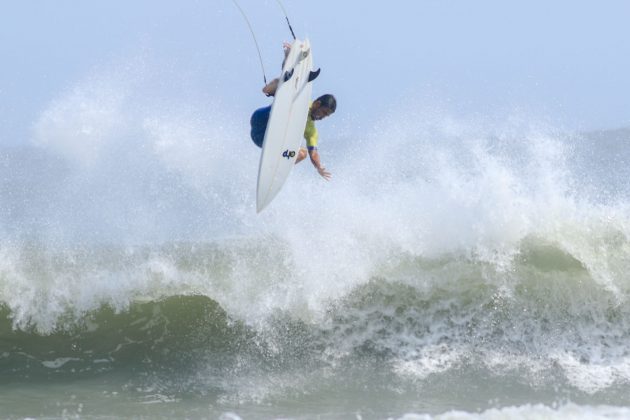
column 310, row 132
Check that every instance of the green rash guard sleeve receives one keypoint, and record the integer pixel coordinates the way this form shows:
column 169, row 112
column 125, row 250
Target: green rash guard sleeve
column 310, row 133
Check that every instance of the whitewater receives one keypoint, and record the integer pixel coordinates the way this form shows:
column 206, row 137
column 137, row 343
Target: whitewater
column 454, row 268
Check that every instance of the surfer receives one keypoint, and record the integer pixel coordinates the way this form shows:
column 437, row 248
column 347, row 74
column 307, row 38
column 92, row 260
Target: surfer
column 322, row 107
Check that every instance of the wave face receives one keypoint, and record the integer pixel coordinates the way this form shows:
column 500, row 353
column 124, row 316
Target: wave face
column 545, row 316
column 446, row 255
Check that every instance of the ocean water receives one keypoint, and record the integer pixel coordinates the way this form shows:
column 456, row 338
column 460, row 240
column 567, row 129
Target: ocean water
column 455, row 268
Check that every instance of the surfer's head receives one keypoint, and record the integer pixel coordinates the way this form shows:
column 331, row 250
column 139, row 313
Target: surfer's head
column 323, row 107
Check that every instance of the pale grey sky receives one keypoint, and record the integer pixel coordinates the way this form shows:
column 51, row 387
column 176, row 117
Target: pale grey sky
column 566, row 61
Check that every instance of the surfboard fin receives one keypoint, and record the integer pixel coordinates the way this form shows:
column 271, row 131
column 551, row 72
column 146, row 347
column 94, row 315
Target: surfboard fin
column 287, row 75
column 313, row 75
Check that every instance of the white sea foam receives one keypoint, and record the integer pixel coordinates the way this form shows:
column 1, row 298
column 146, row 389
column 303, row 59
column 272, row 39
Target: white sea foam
column 464, row 240
column 531, row 412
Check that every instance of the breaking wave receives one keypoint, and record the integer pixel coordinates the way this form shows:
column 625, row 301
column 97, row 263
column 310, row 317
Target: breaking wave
column 442, row 246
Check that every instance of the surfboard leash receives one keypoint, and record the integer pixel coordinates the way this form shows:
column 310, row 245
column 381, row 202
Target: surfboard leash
column 262, row 66
column 251, row 30
column 286, row 17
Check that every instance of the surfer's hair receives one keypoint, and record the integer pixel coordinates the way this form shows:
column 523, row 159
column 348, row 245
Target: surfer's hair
column 328, row 101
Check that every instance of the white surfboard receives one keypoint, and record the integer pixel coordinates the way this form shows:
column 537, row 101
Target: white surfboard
column 285, row 129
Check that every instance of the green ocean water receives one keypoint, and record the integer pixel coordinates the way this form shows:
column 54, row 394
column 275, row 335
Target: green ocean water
column 422, row 336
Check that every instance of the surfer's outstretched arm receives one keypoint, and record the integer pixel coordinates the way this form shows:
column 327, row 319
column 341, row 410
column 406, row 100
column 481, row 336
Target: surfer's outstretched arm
column 314, row 155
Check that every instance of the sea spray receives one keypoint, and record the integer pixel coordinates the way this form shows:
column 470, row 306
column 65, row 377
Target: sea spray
column 444, row 250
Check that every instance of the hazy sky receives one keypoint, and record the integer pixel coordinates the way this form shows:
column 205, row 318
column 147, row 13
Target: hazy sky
column 567, row 61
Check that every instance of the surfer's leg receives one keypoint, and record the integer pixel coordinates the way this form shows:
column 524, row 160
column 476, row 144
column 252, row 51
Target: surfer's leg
column 259, row 121
column 301, row 155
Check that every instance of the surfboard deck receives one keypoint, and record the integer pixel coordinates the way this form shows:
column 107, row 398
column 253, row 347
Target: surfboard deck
column 285, row 129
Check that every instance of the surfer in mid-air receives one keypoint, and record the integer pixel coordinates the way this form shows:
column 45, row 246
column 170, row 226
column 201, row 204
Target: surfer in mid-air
column 321, row 108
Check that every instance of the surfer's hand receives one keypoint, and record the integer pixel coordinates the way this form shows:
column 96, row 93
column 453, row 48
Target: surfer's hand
column 287, row 49
column 324, row 173
column 317, row 164
column 271, row 87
